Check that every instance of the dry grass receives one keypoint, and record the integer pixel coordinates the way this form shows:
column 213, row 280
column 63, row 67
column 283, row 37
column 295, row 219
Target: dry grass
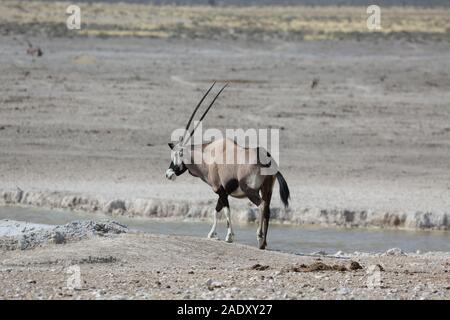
column 307, row 23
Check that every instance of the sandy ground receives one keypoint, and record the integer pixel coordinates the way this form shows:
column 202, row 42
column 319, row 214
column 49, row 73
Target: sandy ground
column 88, row 122
column 143, row 266
column 92, row 117
column 85, row 126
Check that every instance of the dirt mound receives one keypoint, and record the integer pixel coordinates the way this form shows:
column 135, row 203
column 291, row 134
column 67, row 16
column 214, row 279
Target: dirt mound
column 22, row 235
column 320, row 266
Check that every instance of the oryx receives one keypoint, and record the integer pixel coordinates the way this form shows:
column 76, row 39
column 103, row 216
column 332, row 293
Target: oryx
column 234, row 176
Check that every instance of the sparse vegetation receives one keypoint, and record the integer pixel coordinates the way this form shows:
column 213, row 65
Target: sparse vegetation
column 294, row 23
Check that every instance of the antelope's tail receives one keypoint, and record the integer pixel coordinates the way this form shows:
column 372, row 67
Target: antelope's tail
column 284, row 189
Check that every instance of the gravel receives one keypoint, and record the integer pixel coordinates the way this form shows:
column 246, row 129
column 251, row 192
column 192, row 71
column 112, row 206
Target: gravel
column 24, row 235
column 135, row 265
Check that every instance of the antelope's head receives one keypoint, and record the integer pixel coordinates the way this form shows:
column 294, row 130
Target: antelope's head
column 177, row 165
column 179, row 149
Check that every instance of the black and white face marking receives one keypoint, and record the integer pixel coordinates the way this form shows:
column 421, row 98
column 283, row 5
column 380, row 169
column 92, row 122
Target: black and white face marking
column 177, row 166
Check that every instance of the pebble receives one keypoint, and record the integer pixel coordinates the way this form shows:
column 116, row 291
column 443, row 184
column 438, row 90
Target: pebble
column 211, row 284
column 394, row 252
column 343, row 291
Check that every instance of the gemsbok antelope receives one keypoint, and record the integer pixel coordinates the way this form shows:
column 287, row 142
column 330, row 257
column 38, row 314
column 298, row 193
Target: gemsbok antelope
column 239, row 178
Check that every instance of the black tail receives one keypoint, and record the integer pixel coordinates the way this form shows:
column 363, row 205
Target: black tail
column 284, row 189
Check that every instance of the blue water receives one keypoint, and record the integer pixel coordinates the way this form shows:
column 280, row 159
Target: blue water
column 295, row 239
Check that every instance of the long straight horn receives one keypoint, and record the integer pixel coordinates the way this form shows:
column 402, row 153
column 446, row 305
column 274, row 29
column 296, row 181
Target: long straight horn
column 206, row 111
column 198, row 106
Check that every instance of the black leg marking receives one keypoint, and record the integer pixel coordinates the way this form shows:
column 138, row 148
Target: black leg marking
column 219, row 205
column 252, row 194
column 223, row 199
column 231, row 186
column 266, row 191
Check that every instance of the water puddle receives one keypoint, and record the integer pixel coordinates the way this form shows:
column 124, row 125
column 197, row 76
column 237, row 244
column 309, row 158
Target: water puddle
column 295, row 239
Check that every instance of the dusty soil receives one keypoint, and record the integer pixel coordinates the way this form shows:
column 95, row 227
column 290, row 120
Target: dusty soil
column 142, row 266
column 93, row 117
column 85, row 126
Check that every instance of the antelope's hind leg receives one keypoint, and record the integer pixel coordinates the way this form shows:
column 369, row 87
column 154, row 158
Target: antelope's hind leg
column 255, row 198
column 266, row 192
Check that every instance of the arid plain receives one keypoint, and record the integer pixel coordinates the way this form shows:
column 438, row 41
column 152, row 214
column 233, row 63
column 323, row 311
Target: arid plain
column 85, row 126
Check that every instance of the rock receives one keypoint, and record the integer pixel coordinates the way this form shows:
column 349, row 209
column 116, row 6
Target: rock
column 378, row 267
column 211, row 284
column 355, row 265
column 343, row 291
column 259, row 267
column 394, row 252
column 23, row 235
column 57, row 238
column 341, row 254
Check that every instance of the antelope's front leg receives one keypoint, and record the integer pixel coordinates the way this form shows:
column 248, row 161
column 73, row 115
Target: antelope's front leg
column 213, row 234
column 230, row 234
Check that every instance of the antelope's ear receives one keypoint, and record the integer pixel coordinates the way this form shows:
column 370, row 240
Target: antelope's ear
column 171, row 145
